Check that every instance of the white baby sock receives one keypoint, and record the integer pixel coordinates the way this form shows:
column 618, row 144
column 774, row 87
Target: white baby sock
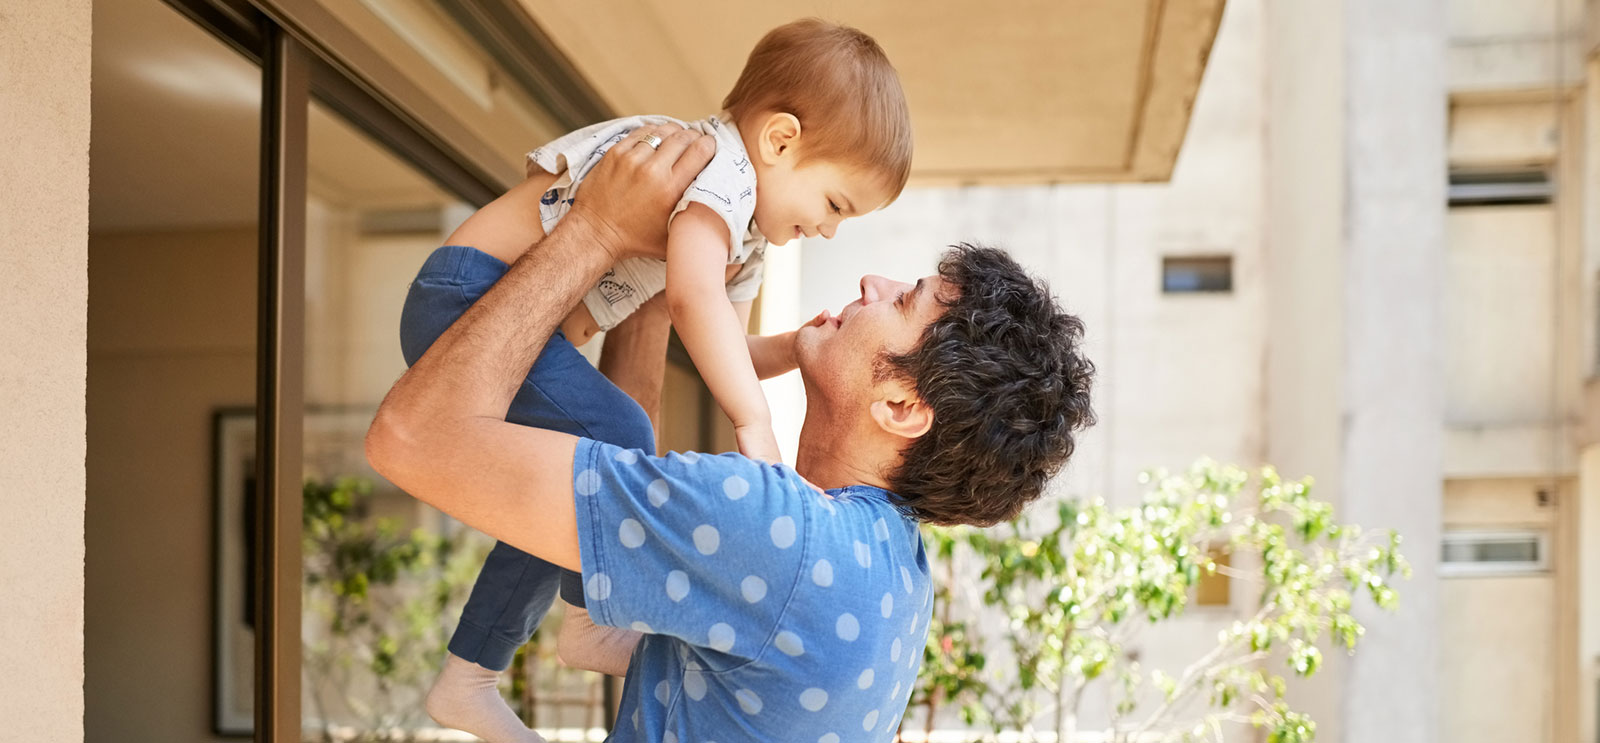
column 465, row 697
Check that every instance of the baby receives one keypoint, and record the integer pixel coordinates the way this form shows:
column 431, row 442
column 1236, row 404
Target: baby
column 815, row 131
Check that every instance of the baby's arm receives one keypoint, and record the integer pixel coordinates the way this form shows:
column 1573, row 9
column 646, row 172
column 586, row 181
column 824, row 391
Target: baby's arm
column 586, row 645
column 697, row 256
column 772, row 355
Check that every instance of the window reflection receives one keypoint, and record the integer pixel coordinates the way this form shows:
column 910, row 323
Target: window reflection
column 385, row 576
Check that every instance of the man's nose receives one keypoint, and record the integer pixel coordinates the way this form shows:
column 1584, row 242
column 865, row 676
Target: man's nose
column 874, row 288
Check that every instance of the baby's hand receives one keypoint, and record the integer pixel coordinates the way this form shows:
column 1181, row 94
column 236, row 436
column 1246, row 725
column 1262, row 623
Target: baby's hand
column 757, row 442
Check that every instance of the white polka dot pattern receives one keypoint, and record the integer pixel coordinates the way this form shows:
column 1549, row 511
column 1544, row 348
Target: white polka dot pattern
column 748, row 701
column 677, row 585
column 694, row 685
column 707, row 539
column 847, row 627
column 813, row 699
column 790, row 644
column 863, row 555
column 657, row 491
column 724, row 594
column 721, row 637
column 782, row 532
column 598, row 588
column 631, row 534
column 753, row 589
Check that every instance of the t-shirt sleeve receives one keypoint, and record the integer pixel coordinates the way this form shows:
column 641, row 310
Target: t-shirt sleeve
column 704, row 548
column 746, row 284
column 728, row 186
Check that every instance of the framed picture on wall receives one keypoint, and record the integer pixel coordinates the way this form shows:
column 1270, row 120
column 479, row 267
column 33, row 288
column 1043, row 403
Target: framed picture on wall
column 332, row 446
column 233, row 565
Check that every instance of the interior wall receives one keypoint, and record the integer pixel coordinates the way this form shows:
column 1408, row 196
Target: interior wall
column 171, row 339
column 44, row 214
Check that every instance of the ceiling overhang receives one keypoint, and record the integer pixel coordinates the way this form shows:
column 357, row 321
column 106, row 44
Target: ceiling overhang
column 1044, row 91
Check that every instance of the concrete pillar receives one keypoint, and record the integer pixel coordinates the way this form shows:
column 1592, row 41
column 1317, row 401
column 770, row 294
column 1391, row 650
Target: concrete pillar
column 1395, row 107
column 44, row 230
column 1356, row 205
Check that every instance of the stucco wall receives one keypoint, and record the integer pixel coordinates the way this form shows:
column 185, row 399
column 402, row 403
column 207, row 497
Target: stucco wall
column 44, row 214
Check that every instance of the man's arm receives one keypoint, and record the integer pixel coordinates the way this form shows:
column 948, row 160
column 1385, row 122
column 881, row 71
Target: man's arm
column 441, row 434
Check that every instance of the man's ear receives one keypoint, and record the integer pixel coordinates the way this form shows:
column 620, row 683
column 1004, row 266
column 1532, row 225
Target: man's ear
column 903, row 413
column 779, row 135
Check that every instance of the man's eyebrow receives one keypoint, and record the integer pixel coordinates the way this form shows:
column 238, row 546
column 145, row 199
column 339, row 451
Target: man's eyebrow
column 909, row 297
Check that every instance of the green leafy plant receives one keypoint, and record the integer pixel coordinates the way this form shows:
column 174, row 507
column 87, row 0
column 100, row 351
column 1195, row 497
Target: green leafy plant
column 1073, row 599
column 375, row 600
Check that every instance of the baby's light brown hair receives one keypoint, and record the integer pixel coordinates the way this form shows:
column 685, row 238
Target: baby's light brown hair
column 838, row 82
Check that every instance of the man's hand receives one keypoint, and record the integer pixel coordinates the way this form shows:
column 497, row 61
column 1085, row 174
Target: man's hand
column 627, row 197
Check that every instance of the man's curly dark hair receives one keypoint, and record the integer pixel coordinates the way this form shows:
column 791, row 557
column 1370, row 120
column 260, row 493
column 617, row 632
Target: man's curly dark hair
column 1004, row 371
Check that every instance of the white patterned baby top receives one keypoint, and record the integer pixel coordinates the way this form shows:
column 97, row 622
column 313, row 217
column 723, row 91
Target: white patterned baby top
column 770, row 612
column 727, row 185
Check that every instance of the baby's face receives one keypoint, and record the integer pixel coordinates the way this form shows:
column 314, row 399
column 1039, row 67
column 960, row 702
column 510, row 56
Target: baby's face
column 812, row 198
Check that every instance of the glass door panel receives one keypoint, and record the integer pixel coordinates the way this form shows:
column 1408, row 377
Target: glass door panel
column 172, row 358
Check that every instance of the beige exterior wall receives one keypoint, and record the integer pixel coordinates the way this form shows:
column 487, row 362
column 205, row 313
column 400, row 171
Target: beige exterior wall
column 44, row 217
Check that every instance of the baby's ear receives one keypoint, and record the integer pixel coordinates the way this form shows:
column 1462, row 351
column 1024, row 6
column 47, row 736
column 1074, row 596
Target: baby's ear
column 779, row 134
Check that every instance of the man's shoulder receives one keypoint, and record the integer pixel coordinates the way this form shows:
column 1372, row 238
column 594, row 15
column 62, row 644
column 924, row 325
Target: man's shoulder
column 731, row 475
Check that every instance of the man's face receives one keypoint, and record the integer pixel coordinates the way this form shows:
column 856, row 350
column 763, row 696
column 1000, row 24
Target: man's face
column 837, row 353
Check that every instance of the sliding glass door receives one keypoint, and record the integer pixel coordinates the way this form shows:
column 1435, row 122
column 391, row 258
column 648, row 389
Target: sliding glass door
column 268, row 175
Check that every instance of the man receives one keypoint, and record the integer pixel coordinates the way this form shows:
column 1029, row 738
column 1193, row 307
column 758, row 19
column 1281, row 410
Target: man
column 770, row 611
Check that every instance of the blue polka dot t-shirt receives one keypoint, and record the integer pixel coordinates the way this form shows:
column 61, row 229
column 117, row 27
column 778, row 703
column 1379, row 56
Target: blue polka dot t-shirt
column 770, row 611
